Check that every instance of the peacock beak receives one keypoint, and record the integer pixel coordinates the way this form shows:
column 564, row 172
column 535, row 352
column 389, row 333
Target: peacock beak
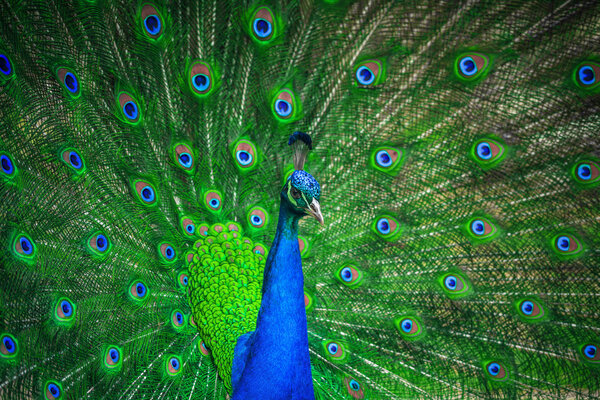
column 314, row 209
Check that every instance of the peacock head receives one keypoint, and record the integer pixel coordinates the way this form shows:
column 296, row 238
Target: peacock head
column 302, row 193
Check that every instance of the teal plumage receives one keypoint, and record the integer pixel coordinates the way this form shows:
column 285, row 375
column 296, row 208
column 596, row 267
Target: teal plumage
column 455, row 144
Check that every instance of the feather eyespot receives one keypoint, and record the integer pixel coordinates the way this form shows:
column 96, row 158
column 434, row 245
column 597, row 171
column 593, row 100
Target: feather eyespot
column 262, row 25
column 173, row 365
column 368, row 73
column 113, row 358
column 73, row 160
column 454, row 284
column 9, row 346
column 590, row 353
column 386, row 227
column 309, row 302
column 69, row 81
column 387, row 160
column 409, row 327
column 285, row 106
column 335, row 351
column 566, row 245
column 24, row 247
column 587, row 173
column 138, row 290
column 183, row 279
column 530, row 310
column 167, row 252
column 53, row 390
column 496, row 371
column 257, row 217
column 204, row 350
column 471, row 66
column 349, row 275
column 99, row 244
column 145, row 192
column 128, row 108
column 212, row 200
column 184, row 157
column 152, row 22
column 64, row 311
column 245, row 155
column 481, row 228
column 488, row 152
column 188, row 226
column 587, row 75
column 201, row 78
column 7, row 166
column 177, row 319
column 355, row 389
column 6, row 68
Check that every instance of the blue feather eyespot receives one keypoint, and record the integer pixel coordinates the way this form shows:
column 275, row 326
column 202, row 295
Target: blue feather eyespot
column 7, row 166
column 152, row 22
column 530, row 310
column 23, row 247
column 587, row 75
column 69, row 81
column 257, row 217
column 201, row 78
column 454, row 284
column 212, row 200
column 113, row 359
column 471, row 66
column 386, row 227
column 335, row 351
column 73, row 160
column 129, row 109
column 204, row 350
column 496, row 371
column 173, row 365
column 285, row 106
column 188, row 226
column 6, row 68
column 590, row 353
column 350, row 275
column 262, row 25
column 138, row 290
column 355, row 390
column 387, row 160
column 566, row 246
column 167, row 252
column 145, row 192
column 245, row 155
column 409, row 327
column 98, row 244
column 587, row 173
column 183, row 279
column 184, row 157
column 64, row 311
column 487, row 152
column 368, row 73
column 481, row 229
column 9, row 347
column 53, row 390
column 177, row 319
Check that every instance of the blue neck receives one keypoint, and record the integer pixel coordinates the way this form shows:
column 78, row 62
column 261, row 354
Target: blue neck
column 273, row 361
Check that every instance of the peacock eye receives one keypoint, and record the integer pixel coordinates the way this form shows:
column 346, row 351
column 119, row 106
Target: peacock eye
column 72, row 159
column 244, row 154
column 99, row 244
column 145, row 192
column 309, row 302
column 263, row 25
column 409, row 327
column 129, row 108
column 368, row 73
column 587, row 172
column 454, row 284
column 487, row 152
column 188, row 226
column 167, row 252
column 354, row 388
column 138, row 290
column 173, row 366
column 7, row 166
column 335, row 351
column 386, row 227
column 212, row 200
column 481, row 228
column 24, row 247
column 112, row 358
column 590, row 353
column 387, row 160
column 177, row 319
column 52, row 390
column 471, row 66
column 587, row 75
column 183, row 279
column 566, row 245
column 5, row 66
column 152, row 22
column 8, row 346
column 285, row 106
column 69, row 81
column 530, row 309
column 64, row 310
column 258, row 217
column 350, row 275
column 496, row 371
column 184, row 157
column 201, row 78
column 204, row 348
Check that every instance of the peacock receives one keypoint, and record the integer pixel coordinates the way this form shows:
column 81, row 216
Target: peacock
column 308, row 199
